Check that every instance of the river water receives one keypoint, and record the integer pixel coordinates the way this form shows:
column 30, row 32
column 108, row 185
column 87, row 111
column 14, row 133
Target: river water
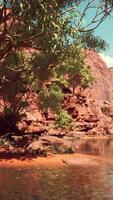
column 72, row 181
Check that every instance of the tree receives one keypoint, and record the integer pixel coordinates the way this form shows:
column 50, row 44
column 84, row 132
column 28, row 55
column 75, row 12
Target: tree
column 37, row 23
column 89, row 40
column 52, row 30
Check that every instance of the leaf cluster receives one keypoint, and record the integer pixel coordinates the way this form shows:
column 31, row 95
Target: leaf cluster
column 89, row 40
column 49, row 29
column 64, row 120
column 51, row 97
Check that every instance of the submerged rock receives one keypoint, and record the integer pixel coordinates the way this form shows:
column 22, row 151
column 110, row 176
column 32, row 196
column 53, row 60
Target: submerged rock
column 80, row 161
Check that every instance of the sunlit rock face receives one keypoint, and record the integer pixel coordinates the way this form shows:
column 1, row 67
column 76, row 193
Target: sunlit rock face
column 99, row 96
column 102, row 89
column 92, row 108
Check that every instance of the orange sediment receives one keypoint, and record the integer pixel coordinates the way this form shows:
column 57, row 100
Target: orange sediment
column 52, row 161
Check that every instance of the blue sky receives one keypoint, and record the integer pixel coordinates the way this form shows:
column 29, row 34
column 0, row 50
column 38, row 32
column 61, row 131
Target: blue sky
column 105, row 31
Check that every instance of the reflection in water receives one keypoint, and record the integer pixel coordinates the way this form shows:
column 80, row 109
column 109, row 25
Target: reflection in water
column 94, row 146
column 79, row 182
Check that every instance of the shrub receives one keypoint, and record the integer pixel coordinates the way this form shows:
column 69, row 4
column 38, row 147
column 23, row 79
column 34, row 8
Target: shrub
column 64, row 120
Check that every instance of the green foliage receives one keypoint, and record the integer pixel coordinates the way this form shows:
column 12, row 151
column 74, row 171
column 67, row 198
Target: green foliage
column 37, row 24
column 73, row 64
column 51, row 98
column 40, row 65
column 64, row 120
column 12, row 88
column 87, row 78
column 1, row 142
column 89, row 40
column 49, row 29
column 69, row 150
column 44, row 25
column 108, row 2
column 56, row 148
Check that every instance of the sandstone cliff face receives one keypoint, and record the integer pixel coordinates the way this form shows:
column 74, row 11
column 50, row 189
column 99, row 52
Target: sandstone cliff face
column 102, row 89
column 99, row 96
column 91, row 109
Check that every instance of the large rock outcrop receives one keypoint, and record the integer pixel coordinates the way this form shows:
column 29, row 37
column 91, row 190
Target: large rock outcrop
column 97, row 110
column 90, row 108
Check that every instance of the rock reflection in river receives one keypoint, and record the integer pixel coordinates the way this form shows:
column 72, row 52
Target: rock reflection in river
column 97, row 146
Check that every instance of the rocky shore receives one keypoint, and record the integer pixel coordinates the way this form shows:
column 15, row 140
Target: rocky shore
column 90, row 108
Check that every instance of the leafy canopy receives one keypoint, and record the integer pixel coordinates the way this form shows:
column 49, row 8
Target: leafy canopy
column 42, row 43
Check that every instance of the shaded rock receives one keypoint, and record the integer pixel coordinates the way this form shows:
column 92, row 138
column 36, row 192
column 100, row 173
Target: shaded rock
column 84, row 126
column 35, row 128
column 107, row 110
column 57, row 132
column 36, row 147
column 73, row 112
column 21, row 125
column 16, row 138
column 66, row 90
column 50, row 140
column 7, row 147
column 20, row 141
column 78, row 134
column 50, row 115
column 19, row 151
column 91, row 118
column 58, row 145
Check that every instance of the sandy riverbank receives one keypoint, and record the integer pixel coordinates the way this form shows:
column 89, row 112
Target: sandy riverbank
column 50, row 161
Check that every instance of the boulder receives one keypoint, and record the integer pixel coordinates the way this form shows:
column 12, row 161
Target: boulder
column 36, row 147
column 21, row 125
column 34, row 116
column 56, row 132
column 35, row 127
